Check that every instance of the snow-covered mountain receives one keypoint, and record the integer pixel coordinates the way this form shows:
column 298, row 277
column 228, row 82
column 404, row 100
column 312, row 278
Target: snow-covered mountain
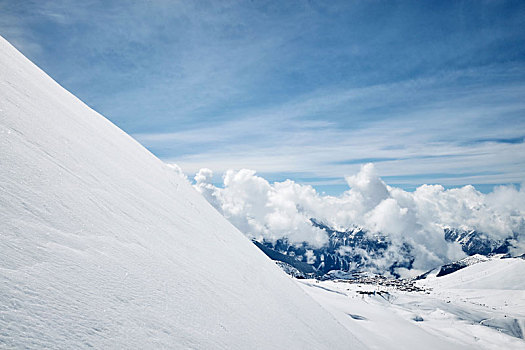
column 348, row 250
column 357, row 249
column 473, row 242
column 103, row 245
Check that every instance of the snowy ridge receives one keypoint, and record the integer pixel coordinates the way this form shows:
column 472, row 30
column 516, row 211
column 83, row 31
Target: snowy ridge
column 455, row 266
column 102, row 245
column 461, row 264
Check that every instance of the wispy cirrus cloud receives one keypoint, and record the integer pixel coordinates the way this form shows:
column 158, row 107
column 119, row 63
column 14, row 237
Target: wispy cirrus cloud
column 450, row 134
column 302, row 89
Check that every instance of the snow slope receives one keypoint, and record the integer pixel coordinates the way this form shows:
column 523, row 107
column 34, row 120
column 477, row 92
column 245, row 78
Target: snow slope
column 494, row 289
column 484, row 273
column 479, row 307
column 102, row 245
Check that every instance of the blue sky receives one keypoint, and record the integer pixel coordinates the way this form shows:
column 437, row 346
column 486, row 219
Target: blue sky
column 431, row 92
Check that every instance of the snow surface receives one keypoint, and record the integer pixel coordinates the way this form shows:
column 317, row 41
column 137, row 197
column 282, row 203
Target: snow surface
column 479, row 307
column 102, row 245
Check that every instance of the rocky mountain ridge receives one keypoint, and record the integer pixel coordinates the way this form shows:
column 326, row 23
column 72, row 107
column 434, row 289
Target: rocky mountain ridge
column 357, row 249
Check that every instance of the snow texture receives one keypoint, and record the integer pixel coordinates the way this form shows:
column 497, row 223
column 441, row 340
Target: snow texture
column 102, row 245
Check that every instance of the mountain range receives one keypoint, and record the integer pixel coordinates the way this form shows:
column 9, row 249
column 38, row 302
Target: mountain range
column 358, row 249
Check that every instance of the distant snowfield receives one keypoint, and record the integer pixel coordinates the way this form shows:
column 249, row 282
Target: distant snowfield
column 479, row 307
column 102, row 245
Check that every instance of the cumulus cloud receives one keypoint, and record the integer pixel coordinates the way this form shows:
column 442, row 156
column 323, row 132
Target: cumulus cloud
column 177, row 170
column 283, row 210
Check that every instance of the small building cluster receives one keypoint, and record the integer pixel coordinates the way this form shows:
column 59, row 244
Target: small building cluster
column 406, row 285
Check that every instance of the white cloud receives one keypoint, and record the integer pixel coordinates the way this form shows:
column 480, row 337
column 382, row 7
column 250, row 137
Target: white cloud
column 310, row 257
column 283, row 209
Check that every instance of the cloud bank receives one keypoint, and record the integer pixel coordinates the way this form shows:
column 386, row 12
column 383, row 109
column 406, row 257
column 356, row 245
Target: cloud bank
column 270, row 211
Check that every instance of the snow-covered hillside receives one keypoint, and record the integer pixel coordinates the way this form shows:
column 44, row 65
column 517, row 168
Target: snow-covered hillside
column 481, row 306
column 102, row 245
